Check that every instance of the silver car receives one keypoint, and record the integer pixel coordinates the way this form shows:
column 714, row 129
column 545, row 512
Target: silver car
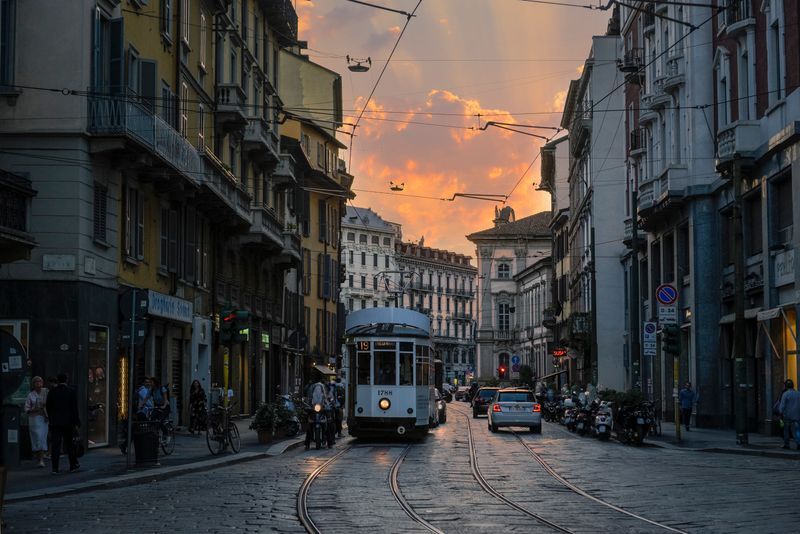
column 515, row 407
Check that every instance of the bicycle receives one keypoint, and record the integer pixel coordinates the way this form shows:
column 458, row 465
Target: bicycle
column 166, row 437
column 221, row 431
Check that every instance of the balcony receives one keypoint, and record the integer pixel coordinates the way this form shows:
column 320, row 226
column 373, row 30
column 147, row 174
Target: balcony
column 738, row 16
column 231, row 106
column 460, row 316
column 291, row 245
column 281, row 15
column 266, row 229
column 260, row 141
column 221, row 192
column 628, row 235
column 631, row 61
column 638, row 141
column 738, row 140
column 674, row 74
column 505, row 335
column 15, row 241
column 123, row 116
column 647, row 194
column 659, row 98
column 668, row 193
column 285, row 171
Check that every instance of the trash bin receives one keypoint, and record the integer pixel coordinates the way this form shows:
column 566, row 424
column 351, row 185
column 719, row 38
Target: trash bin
column 145, row 441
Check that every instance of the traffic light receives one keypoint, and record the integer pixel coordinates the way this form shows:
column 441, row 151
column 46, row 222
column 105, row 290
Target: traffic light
column 670, row 339
column 501, row 372
column 241, row 325
column 226, row 325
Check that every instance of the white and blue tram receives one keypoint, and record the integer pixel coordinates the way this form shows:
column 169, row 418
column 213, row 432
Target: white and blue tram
column 391, row 374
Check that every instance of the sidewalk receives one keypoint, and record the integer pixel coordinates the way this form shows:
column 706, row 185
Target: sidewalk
column 722, row 441
column 105, row 467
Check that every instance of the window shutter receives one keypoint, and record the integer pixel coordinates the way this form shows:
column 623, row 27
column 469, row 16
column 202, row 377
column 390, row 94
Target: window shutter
column 97, row 39
column 129, row 232
column 172, row 256
column 164, row 239
column 319, row 275
column 139, row 225
column 100, row 194
column 147, row 79
column 116, row 63
column 326, row 287
column 323, row 227
column 191, row 238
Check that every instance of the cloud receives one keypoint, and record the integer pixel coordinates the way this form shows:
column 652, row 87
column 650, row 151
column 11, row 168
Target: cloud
column 559, row 99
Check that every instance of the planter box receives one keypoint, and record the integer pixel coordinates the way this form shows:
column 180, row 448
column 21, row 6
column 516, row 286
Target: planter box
column 264, row 437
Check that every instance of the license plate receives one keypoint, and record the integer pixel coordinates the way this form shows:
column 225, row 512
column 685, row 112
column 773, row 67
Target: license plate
column 640, row 421
column 516, row 408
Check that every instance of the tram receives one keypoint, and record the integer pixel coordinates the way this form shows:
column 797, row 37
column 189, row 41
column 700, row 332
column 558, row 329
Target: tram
column 391, row 373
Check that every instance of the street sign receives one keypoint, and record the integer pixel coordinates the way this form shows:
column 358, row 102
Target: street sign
column 667, row 315
column 515, row 368
column 666, row 294
column 649, row 338
column 515, row 360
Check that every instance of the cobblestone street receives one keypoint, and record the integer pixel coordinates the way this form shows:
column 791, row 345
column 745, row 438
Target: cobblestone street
column 684, row 491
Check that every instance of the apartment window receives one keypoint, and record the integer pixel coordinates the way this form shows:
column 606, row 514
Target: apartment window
column 233, row 66
column 7, row 41
column 752, row 224
column 350, row 304
column 350, row 281
column 374, row 283
column 503, row 271
column 167, row 103
column 362, row 239
column 165, row 19
column 201, row 126
column 774, row 56
column 169, row 234
column 232, row 154
column 306, row 272
column 375, row 240
column 163, row 257
column 100, row 212
column 184, row 124
column 185, row 20
column 363, row 282
column 320, row 158
column 782, row 196
column 374, row 260
column 203, row 39
column 351, row 236
column 134, row 223
column 503, row 316
column 350, row 260
column 320, row 268
column 374, row 303
column 744, row 85
column 387, row 241
column 363, row 304
column 322, row 211
column 108, row 53
column 386, row 261
column 364, row 258
column 723, row 91
column 189, row 245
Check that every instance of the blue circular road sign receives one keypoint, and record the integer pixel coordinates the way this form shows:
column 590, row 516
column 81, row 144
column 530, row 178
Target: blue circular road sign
column 666, row 294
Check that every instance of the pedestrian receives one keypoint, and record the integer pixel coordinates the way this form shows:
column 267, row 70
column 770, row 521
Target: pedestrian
column 144, row 400
column 160, row 400
column 336, row 395
column 315, row 394
column 197, row 408
column 62, row 411
column 790, row 412
column 37, row 418
column 687, row 398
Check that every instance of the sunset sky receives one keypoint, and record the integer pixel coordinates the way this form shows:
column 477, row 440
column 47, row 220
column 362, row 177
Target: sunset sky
column 508, row 60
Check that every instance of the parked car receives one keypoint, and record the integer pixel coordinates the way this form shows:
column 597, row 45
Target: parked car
column 483, row 398
column 441, row 407
column 462, row 393
column 515, row 407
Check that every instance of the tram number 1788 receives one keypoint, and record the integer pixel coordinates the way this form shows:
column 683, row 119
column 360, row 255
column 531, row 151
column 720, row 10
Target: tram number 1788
column 385, row 392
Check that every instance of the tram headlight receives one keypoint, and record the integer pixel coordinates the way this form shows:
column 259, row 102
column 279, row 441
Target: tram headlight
column 384, row 404
column 317, row 408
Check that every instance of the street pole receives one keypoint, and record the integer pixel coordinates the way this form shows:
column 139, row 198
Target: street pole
column 131, row 356
column 635, row 356
column 739, row 349
column 676, row 369
column 226, row 363
column 593, row 282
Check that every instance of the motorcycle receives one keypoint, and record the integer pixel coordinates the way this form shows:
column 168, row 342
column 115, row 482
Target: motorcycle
column 583, row 420
column 632, row 425
column 317, row 425
column 550, row 411
column 570, row 415
column 603, row 421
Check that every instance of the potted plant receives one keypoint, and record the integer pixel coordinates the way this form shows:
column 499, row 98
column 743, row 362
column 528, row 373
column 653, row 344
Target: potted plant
column 268, row 418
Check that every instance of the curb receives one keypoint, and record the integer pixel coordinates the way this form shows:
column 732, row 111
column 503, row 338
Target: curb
column 728, row 450
column 155, row 475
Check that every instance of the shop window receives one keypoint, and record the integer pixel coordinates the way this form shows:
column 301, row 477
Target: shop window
column 97, row 387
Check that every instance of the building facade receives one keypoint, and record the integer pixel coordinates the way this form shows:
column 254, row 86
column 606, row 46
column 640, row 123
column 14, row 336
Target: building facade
column 533, row 311
column 593, row 116
column 165, row 178
column 504, row 252
column 442, row 285
column 371, row 270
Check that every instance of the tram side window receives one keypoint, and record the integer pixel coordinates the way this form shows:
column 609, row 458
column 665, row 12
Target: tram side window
column 385, row 368
column 406, row 369
column 363, row 368
column 419, row 365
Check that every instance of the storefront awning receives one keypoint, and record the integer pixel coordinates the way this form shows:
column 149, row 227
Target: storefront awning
column 325, row 370
column 750, row 313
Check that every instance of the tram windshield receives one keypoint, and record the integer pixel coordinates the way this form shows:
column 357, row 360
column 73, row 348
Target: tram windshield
column 385, row 367
column 406, row 368
column 363, row 368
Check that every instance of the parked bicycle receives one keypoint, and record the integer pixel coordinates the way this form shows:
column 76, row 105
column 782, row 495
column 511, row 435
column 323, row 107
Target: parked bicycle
column 221, row 431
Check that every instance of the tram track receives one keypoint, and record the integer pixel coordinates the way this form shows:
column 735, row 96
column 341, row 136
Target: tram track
column 576, row 489
column 304, row 515
column 488, row 488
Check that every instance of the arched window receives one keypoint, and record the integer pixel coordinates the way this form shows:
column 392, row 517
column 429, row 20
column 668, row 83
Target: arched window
column 504, row 270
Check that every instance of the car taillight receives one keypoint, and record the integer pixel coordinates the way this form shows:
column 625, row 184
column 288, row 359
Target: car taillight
column 496, row 408
column 537, row 407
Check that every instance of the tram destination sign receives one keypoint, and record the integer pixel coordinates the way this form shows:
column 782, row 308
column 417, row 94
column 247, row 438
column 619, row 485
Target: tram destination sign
column 384, row 344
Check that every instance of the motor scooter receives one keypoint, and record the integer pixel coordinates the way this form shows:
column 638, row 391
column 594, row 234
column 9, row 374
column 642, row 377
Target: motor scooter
column 317, row 425
column 604, row 421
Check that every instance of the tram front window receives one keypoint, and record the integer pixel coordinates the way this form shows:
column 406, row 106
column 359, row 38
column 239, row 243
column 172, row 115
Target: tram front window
column 363, row 368
column 385, row 368
column 406, row 369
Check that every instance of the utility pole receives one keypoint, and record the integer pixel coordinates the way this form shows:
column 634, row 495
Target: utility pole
column 739, row 340
column 593, row 284
column 637, row 366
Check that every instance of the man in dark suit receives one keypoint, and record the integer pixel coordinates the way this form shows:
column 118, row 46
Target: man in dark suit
column 62, row 411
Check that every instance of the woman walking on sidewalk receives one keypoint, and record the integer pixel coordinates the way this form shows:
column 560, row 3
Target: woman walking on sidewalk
column 197, row 408
column 37, row 418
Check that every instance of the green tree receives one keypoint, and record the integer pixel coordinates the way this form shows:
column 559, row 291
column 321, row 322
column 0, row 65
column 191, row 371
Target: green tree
column 526, row 375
